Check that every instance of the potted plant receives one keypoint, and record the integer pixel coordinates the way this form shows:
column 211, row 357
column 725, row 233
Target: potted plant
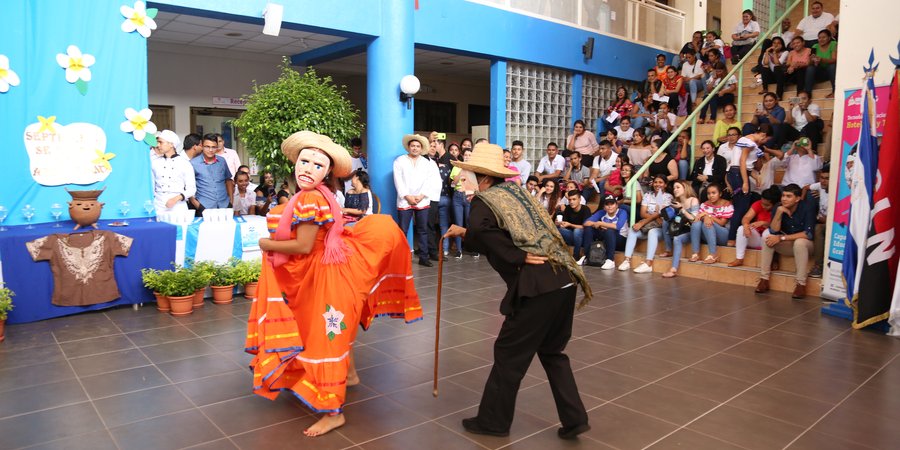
column 223, row 282
column 247, row 273
column 6, row 306
column 202, row 272
column 151, row 278
column 178, row 285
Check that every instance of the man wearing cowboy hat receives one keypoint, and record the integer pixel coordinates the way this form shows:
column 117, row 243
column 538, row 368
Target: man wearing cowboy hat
column 522, row 244
column 418, row 184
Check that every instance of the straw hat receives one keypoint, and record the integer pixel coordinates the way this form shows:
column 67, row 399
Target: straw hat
column 415, row 137
column 300, row 140
column 487, row 159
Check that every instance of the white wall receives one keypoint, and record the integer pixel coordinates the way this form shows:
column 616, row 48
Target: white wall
column 185, row 76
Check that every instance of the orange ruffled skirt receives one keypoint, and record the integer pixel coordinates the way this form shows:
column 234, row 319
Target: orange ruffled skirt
column 304, row 319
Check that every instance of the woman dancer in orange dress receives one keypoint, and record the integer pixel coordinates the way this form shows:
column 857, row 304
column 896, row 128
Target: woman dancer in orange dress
column 319, row 280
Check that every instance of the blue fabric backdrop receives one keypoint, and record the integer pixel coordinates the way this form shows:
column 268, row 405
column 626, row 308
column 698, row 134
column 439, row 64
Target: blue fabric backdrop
column 32, row 33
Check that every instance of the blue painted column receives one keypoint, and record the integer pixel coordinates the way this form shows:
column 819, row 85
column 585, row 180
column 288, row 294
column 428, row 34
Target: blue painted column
column 389, row 57
column 498, row 103
column 577, row 90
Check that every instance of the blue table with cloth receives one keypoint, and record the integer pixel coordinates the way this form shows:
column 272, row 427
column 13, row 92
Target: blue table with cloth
column 32, row 282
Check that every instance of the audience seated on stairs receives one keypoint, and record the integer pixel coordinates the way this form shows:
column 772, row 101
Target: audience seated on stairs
column 712, row 223
column 809, row 27
column 803, row 120
column 738, row 178
column 640, row 114
column 681, row 217
column 616, row 145
column 648, row 227
column 565, row 188
column 745, row 34
column 614, row 184
column 823, row 62
column 774, row 63
column 723, row 97
column 695, row 46
column 754, row 223
column 548, row 197
column 729, row 147
column 692, row 72
column 571, row 224
column 682, row 153
column 664, row 121
column 785, row 34
column 626, row 202
column 710, row 168
column 798, row 60
column 604, row 164
column 622, row 106
column 575, row 170
column 624, row 132
column 790, row 233
column 763, row 174
column 819, row 192
column 771, row 113
column 650, row 87
column 800, row 163
column 720, row 132
column 663, row 165
column 640, row 149
column 661, row 68
column 676, row 91
column 609, row 225
column 712, row 45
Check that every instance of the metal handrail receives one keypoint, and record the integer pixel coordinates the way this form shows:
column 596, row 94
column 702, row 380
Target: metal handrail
column 632, row 185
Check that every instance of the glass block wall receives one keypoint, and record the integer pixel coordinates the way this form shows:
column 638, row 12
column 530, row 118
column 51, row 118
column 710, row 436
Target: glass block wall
column 598, row 93
column 538, row 107
column 761, row 10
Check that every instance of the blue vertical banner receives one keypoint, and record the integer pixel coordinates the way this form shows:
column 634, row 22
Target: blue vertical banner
column 82, row 88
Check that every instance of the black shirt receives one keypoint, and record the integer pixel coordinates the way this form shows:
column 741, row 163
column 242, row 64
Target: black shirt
column 523, row 281
column 576, row 217
column 803, row 219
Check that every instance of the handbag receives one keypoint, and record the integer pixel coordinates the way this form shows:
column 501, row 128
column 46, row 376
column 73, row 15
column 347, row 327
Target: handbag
column 597, row 255
column 651, row 225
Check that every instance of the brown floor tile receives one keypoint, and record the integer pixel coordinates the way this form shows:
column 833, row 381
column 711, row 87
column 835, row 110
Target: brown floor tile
column 97, row 329
column 225, row 341
column 641, row 367
column 590, row 352
column 746, row 429
column 95, row 440
column 219, row 326
column 377, row 417
column 704, row 384
column 48, row 425
column 255, row 412
column 427, row 435
column 812, row 440
column 178, row 350
column 46, row 396
column 706, row 340
column 687, row 439
column 109, row 362
column 875, row 402
column 801, row 411
column 93, row 346
column 122, row 409
column 623, row 428
column 538, row 401
column 451, row 398
column 734, row 327
column 736, row 367
column 547, row 439
column 36, row 375
column 35, row 355
column 289, row 435
column 199, row 367
column 653, row 327
column 474, row 379
column 182, row 429
column 123, row 381
column 841, row 369
column 158, row 336
column 604, row 384
column 218, row 388
column 219, row 444
column 20, row 338
column 784, row 339
column 776, row 356
column 875, row 356
column 818, row 386
column 399, row 375
column 667, row 350
column 451, row 362
column 667, row 404
column 617, row 337
column 461, row 315
column 523, row 425
column 860, row 428
column 129, row 324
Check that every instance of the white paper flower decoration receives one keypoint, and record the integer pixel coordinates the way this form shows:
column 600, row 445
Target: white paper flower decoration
column 7, row 76
column 77, row 67
column 139, row 125
column 138, row 19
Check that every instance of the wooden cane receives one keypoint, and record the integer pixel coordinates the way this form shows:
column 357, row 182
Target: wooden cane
column 437, row 322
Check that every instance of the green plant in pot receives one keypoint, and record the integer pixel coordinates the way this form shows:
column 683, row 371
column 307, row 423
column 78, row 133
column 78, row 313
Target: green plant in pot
column 151, row 279
column 179, row 286
column 202, row 273
column 6, row 305
column 223, row 281
column 247, row 274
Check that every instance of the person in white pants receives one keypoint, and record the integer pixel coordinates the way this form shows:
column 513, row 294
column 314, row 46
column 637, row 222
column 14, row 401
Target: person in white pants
column 754, row 223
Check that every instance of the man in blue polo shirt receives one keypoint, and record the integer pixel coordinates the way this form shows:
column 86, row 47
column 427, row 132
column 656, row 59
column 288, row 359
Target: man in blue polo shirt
column 790, row 233
column 609, row 225
column 214, row 179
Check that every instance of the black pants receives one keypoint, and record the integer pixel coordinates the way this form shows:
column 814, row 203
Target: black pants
column 776, row 76
column 419, row 218
column 542, row 325
column 434, row 229
column 812, row 130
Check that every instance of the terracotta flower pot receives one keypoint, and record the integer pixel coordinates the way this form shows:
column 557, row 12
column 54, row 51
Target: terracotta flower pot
column 198, row 297
column 181, row 306
column 223, row 294
column 162, row 302
column 250, row 289
column 2, row 330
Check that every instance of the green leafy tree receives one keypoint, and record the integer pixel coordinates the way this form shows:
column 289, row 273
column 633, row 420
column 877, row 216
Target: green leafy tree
column 295, row 102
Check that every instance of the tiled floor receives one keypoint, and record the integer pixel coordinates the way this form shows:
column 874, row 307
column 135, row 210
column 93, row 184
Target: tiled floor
column 660, row 364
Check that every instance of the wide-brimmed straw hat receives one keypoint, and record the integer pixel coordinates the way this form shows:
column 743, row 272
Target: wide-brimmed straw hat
column 415, row 137
column 487, row 159
column 340, row 157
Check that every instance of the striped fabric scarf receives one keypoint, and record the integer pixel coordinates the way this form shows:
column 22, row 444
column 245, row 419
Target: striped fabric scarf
column 532, row 230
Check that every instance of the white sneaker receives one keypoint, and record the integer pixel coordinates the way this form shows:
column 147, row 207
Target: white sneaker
column 643, row 268
column 580, row 261
column 626, row 265
column 608, row 265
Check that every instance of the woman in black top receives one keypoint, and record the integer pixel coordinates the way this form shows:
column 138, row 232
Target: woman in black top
column 357, row 200
column 663, row 165
column 265, row 193
column 709, row 169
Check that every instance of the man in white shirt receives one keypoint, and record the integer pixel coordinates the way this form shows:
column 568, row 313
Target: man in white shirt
column 801, row 164
column 358, row 161
column 414, row 177
column 663, row 119
column 604, row 164
column 231, row 157
column 812, row 24
column 804, row 120
column 692, row 71
column 552, row 165
column 173, row 176
column 624, row 132
column 516, row 151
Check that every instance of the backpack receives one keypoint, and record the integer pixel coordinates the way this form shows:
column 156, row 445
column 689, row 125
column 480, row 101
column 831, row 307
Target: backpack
column 597, row 255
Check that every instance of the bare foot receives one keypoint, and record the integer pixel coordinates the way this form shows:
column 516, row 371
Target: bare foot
column 325, row 424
